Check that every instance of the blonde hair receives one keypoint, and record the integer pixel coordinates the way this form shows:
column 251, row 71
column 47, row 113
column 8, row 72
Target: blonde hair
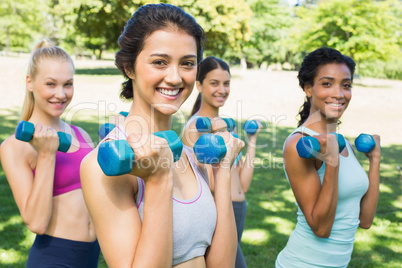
column 44, row 49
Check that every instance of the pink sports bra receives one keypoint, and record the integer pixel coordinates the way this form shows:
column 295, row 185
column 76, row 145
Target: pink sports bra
column 67, row 169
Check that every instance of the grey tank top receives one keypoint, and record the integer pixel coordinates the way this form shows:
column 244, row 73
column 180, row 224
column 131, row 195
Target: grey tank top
column 194, row 220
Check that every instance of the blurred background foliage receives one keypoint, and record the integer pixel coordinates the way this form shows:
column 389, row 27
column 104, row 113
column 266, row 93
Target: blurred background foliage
column 265, row 34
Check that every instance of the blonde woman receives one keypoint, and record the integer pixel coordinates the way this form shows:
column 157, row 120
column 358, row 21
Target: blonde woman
column 46, row 183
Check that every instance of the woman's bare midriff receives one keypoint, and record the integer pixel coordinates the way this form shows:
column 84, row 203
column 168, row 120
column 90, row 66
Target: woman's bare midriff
column 198, row 262
column 237, row 190
column 70, row 218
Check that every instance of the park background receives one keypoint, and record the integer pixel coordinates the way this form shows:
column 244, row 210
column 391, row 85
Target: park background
column 264, row 41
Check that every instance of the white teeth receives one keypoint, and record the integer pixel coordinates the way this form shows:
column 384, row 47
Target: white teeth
column 335, row 104
column 173, row 92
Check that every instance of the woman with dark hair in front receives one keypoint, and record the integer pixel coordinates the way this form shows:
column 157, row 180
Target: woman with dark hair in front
column 334, row 195
column 213, row 83
column 162, row 215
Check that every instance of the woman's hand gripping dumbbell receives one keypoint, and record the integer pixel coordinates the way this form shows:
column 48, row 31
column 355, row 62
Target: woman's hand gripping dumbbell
column 25, row 132
column 117, row 157
column 212, row 148
column 309, row 146
column 203, row 124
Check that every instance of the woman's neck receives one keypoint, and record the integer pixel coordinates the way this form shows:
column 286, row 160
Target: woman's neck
column 208, row 111
column 320, row 124
column 47, row 120
column 143, row 119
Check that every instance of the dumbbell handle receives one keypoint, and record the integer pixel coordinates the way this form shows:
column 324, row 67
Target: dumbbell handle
column 365, row 143
column 309, row 147
column 203, row 124
column 25, row 131
column 116, row 157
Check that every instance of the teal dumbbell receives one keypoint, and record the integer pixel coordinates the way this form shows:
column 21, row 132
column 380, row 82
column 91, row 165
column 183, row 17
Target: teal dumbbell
column 231, row 124
column 309, row 147
column 365, row 143
column 203, row 124
column 106, row 128
column 211, row 148
column 250, row 126
column 123, row 113
column 116, row 157
column 239, row 156
column 25, row 131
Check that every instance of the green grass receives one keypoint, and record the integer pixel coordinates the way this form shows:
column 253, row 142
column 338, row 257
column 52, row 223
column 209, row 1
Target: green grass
column 271, row 214
column 98, row 71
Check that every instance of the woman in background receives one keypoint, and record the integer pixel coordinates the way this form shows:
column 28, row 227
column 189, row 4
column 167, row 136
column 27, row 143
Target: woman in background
column 213, row 83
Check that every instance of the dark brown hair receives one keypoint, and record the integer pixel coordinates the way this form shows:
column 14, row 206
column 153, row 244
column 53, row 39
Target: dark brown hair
column 309, row 69
column 146, row 20
column 208, row 64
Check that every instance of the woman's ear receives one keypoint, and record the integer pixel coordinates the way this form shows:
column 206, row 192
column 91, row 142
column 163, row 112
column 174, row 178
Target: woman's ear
column 29, row 83
column 199, row 86
column 129, row 71
column 308, row 90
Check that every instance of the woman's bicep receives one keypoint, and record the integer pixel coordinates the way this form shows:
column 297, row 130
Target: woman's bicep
column 110, row 201
column 303, row 179
column 17, row 171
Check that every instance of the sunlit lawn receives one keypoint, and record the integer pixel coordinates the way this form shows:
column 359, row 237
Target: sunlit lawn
column 271, row 212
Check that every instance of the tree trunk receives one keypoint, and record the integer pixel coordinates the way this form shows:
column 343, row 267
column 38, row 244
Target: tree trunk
column 243, row 62
column 100, row 54
column 7, row 40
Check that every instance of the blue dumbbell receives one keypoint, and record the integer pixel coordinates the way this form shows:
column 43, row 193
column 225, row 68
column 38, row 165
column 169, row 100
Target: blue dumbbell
column 108, row 127
column 203, row 124
column 250, row 126
column 210, row 149
column 365, row 143
column 123, row 113
column 239, row 156
column 116, row 157
column 25, row 131
column 309, row 147
column 231, row 124
column 105, row 129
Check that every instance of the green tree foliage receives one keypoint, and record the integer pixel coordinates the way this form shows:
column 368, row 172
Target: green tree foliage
column 92, row 24
column 21, row 22
column 98, row 23
column 225, row 22
column 363, row 29
column 270, row 23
